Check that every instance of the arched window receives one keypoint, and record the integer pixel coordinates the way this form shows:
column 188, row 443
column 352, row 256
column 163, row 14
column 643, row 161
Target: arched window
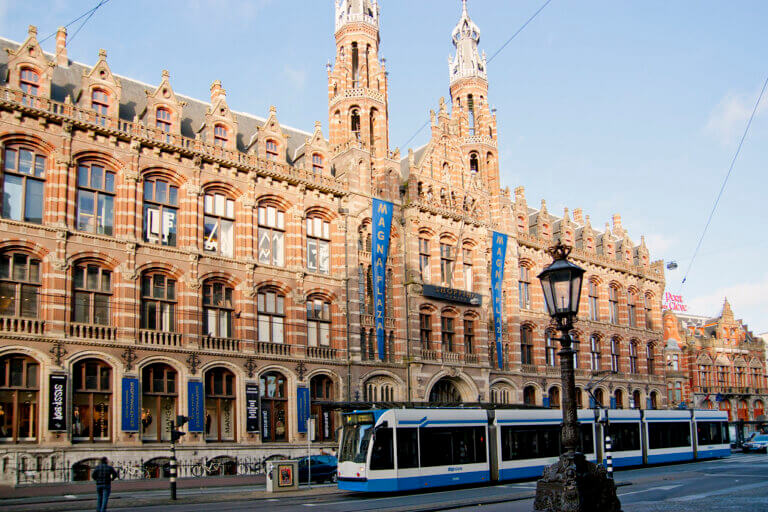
column 29, row 81
column 158, row 302
column 613, row 304
column 526, row 344
column 355, row 65
column 425, row 329
column 318, row 322
column 579, row 399
column 92, row 292
column 529, row 395
column 217, row 309
column 647, row 304
column 576, row 345
column 163, row 120
column 95, row 198
column 100, row 102
column 633, row 357
column 631, row 308
column 317, row 163
column 354, row 124
column 615, row 354
column 274, row 407
column 471, row 111
column 389, row 295
column 447, row 332
column 424, row 258
column 161, row 203
column 649, row 358
column 469, row 276
column 271, row 148
column 599, row 398
column 23, row 184
column 318, row 244
column 271, row 235
column 674, row 392
column 551, row 349
column 220, row 135
column 469, row 335
column 321, row 394
column 19, row 285
column 220, row 420
column 19, row 398
column 759, row 409
column 594, row 348
column 159, row 396
column 372, row 127
column 219, row 225
column 447, row 261
column 636, row 400
column 92, row 401
column 523, row 287
column 474, row 166
column 705, row 375
column 444, row 391
column 554, row 397
column 618, row 397
column 654, row 401
column 271, row 308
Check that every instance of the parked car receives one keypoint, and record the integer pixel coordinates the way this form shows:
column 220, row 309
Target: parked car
column 757, row 443
column 324, row 468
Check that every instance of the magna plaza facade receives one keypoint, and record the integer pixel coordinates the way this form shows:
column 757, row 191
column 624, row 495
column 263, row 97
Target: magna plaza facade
column 155, row 246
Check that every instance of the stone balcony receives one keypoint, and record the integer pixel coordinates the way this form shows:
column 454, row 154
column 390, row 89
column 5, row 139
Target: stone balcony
column 19, row 325
column 92, row 331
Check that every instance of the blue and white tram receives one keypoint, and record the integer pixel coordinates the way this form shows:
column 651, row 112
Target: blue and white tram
column 712, row 435
column 668, row 436
column 623, row 425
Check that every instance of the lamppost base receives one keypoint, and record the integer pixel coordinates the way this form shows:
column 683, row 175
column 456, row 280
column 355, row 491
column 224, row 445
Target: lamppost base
column 573, row 484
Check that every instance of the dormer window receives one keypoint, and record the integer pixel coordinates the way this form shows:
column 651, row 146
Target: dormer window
column 317, row 164
column 29, row 82
column 163, row 120
column 220, row 135
column 100, row 102
column 271, row 150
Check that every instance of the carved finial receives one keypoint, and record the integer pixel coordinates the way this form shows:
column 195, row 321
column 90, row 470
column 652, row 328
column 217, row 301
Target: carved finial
column 165, row 74
column 559, row 251
column 102, row 53
column 32, row 30
column 272, row 109
column 318, row 125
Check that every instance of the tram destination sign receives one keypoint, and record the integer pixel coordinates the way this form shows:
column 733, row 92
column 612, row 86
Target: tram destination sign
column 452, row 295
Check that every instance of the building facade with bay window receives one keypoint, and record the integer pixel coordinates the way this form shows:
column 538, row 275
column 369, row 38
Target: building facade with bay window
column 163, row 255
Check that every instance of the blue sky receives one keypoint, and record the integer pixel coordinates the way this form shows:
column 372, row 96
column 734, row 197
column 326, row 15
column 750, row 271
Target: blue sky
column 611, row 106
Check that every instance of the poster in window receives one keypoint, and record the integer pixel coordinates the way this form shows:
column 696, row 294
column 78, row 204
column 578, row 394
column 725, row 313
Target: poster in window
column 252, row 408
column 57, row 403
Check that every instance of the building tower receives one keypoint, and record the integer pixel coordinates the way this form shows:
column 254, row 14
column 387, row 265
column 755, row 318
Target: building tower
column 357, row 82
column 469, row 97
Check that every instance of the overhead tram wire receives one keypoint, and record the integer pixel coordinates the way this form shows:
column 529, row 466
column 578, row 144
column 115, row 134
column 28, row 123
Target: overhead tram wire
column 87, row 13
column 517, row 32
column 725, row 181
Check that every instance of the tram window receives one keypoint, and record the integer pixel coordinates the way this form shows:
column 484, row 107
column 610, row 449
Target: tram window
column 624, row 437
column 382, row 456
column 726, row 433
column 668, row 434
column 530, row 442
column 447, row 446
column 587, row 438
column 710, row 432
column 407, row 448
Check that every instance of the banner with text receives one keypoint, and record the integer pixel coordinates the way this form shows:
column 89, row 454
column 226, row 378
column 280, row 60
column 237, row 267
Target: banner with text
column 382, row 223
column 195, row 406
column 302, row 407
column 130, row 417
column 252, row 408
column 57, row 403
column 498, row 254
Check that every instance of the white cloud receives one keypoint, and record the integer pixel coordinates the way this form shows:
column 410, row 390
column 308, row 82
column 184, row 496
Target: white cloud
column 296, row 77
column 748, row 301
column 659, row 245
column 729, row 118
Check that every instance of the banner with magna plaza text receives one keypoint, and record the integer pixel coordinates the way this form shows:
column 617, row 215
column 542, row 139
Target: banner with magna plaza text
column 498, row 254
column 382, row 223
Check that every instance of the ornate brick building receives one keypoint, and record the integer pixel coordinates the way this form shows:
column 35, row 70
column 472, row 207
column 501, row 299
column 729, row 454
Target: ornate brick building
column 715, row 363
column 163, row 255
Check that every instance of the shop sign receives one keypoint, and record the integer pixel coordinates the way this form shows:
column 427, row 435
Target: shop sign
column 130, row 410
column 452, row 295
column 673, row 302
column 195, row 406
column 302, row 407
column 252, row 408
column 57, row 403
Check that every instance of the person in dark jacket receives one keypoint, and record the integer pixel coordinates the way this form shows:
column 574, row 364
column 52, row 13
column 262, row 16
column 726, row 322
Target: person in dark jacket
column 103, row 474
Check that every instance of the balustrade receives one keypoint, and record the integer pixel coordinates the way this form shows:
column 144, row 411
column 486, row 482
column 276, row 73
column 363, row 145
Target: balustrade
column 160, row 338
column 92, row 332
column 21, row 325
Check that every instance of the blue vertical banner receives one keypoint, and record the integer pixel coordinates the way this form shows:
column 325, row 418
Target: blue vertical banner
column 130, row 412
column 498, row 255
column 382, row 223
column 302, row 407
column 195, row 406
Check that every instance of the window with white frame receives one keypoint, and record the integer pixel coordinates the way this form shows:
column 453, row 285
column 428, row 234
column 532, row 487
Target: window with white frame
column 161, row 202
column 219, row 225
column 271, row 235
column 318, row 244
column 318, row 323
column 217, row 309
column 271, row 309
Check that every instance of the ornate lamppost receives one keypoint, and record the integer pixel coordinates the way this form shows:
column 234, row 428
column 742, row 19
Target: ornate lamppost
column 572, row 484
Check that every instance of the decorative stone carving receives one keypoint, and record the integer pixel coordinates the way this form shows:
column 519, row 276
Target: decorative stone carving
column 58, row 351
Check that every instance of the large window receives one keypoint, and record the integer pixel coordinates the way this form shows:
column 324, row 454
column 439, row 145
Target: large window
column 648, row 311
column 220, row 135
column 576, row 345
column 19, row 285
column 624, row 437
column 92, row 401
column 92, row 291
column 705, row 375
column 29, row 81
column 321, row 394
column 95, row 199
column 159, row 387
column 318, row 244
column 318, row 323
column 446, row 446
column 158, row 302
column 271, row 308
column 633, row 357
column 424, row 259
column 425, row 329
column 594, row 349
column 447, row 260
column 217, row 309
column 100, row 102
column 317, row 164
column 469, row 278
column 615, row 354
column 23, row 183
column 271, row 235
column 667, row 434
column 219, row 227
column 675, row 392
column 526, row 344
column 161, row 201
column 19, row 398
column 613, row 304
column 469, row 335
column 631, row 308
column 274, row 407
column 649, row 358
column 523, row 288
column 594, row 302
column 163, row 120
column 712, row 432
column 220, row 418
column 272, row 150
column 447, row 333
column 551, row 349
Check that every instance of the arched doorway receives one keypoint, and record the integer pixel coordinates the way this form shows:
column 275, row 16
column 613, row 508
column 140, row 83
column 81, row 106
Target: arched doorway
column 618, row 397
column 743, row 411
column 725, row 405
column 599, row 398
column 554, row 397
column 158, row 402
column 274, row 407
column 321, row 390
column 759, row 409
column 654, row 400
column 92, row 401
column 220, row 395
column 445, row 391
column 529, row 395
column 19, row 391
column 636, row 400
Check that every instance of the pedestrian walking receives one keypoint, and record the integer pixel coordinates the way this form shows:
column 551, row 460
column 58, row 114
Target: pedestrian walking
column 103, row 474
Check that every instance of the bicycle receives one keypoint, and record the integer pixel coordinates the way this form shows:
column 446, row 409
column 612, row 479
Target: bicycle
column 206, row 468
column 250, row 468
column 132, row 472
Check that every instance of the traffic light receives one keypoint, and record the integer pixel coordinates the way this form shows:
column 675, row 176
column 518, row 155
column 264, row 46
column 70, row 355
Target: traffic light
column 175, row 432
column 181, row 420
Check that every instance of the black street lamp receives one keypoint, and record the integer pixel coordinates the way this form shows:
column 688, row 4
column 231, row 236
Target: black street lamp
column 572, row 483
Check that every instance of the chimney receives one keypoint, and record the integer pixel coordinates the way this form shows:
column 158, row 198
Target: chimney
column 217, row 91
column 616, row 222
column 61, row 48
column 519, row 194
column 577, row 216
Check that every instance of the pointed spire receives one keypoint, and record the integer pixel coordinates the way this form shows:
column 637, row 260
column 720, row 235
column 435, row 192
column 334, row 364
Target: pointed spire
column 466, row 37
column 727, row 312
